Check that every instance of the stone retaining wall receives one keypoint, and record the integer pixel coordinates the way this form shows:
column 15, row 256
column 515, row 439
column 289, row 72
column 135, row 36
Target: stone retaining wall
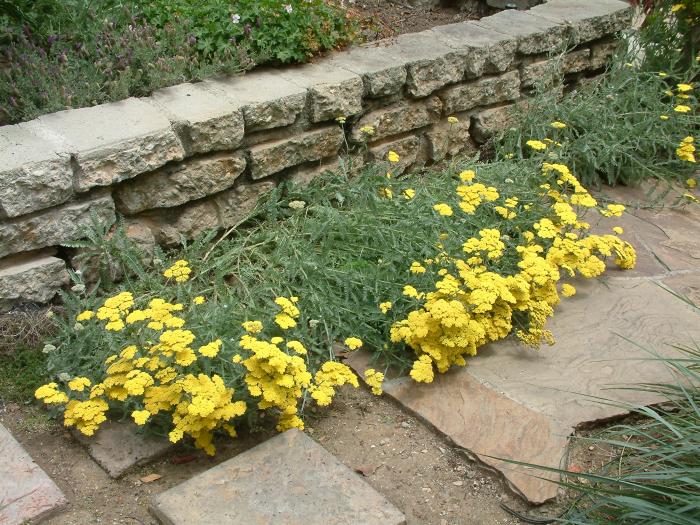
column 195, row 156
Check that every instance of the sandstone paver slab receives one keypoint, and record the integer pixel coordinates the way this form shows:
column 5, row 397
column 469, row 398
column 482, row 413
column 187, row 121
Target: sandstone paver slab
column 26, row 491
column 118, row 447
column 288, row 479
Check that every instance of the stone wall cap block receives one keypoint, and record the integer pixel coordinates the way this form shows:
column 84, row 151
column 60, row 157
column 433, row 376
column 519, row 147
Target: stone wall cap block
column 115, row 141
column 267, row 99
column 382, row 73
column 533, row 33
column 86, row 129
column 213, row 123
column 316, row 73
column 33, row 173
column 590, row 19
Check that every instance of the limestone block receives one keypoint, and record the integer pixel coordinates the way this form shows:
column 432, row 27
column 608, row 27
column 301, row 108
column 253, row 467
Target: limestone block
column 482, row 92
column 31, row 278
column 490, row 121
column 347, row 165
column 180, row 183
column 408, row 148
column 549, row 71
column 170, row 226
column 27, row 493
column 533, row 34
column 333, row 92
column 34, row 173
column 577, row 61
column 55, row 226
column 602, row 53
column 399, row 118
column 268, row 101
column 207, row 122
column 235, row 204
column 430, row 64
column 381, row 73
column 116, row 141
column 588, row 19
column 317, row 489
column 484, row 51
column 272, row 157
column 447, row 140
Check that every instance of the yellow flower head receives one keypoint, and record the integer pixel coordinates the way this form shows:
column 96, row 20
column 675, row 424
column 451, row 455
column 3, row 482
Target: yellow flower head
column 199, row 299
column 618, row 230
column 452, row 120
column 393, row 157
column 443, row 209
column 140, row 416
column 79, row 384
column 408, row 194
column 385, row 306
column 367, row 130
column 683, row 88
column 179, row 271
column 691, row 183
column 467, row 175
column 85, row 316
column 353, row 343
column 536, row 145
column 374, row 380
column 252, row 327
column 681, row 108
column 664, row 117
column 557, row 125
column 567, row 290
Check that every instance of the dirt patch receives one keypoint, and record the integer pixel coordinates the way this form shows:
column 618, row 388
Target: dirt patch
column 432, row 482
column 386, row 18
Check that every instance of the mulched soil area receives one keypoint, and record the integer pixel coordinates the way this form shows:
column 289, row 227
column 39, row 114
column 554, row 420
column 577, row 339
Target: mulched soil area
column 388, row 18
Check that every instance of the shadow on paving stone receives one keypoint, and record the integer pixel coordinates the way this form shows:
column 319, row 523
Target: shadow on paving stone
column 26, row 491
column 118, row 447
column 518, row 403
column 289, row 479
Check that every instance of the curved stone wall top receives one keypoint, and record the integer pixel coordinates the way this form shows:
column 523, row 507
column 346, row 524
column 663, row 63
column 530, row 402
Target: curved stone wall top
column 195, row 156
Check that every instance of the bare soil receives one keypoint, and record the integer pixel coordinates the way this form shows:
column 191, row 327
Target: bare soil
column 432, row 482
column 388, row 18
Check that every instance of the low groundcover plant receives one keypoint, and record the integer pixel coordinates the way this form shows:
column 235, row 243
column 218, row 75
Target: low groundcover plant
column 424, row 272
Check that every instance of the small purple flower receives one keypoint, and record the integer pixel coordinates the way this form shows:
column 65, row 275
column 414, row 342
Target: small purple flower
column 247, row 29
column 192, row 40
column 236, row 18
column 288, row 8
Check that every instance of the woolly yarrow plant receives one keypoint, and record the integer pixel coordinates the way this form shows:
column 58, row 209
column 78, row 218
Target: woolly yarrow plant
column 421, row 270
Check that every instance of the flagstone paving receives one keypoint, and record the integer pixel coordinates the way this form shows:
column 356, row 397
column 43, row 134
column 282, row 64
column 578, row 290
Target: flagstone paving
column 518, row 403
column 118, row 447
column 26, row 492
column 288, row 479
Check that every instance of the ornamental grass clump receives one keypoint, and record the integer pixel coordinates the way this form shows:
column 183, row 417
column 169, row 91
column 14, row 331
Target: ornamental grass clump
column 422, row 270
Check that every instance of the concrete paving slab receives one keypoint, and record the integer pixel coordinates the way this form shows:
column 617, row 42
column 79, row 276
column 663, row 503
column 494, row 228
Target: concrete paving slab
column 288, row 479
column 118, row 447
column 26, row 491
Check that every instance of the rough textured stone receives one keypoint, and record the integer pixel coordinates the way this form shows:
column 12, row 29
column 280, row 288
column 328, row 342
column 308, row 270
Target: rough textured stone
column 408, row 148
column 430, row 64
column 26, row 492
column 488, row 122
column 482, row 92
column 268, row 101
column 33, row 174
column 447, row 140
column 380, row 72
column 269, row 158
column 174, row 185
column 234, row 205
column 588, row 19
column 105, row 152
column 542, row 72
column 54, row 226
column 577, row 61
column 118, row 447
column 533, row 34
column 602, row 53
column 484, row 51
column 346, row 165
column 288, row 479
column 171, row 225
column 207, row 122
column 399, row 118
column 333, row 92
column 30, row 278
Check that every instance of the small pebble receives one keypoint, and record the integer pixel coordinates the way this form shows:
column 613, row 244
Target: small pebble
column 458, row 483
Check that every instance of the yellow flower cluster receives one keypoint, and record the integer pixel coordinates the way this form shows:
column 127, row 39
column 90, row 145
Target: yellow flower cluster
column 180, row 271
column 471, row 305
column 287, row 317
column 686, row 149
